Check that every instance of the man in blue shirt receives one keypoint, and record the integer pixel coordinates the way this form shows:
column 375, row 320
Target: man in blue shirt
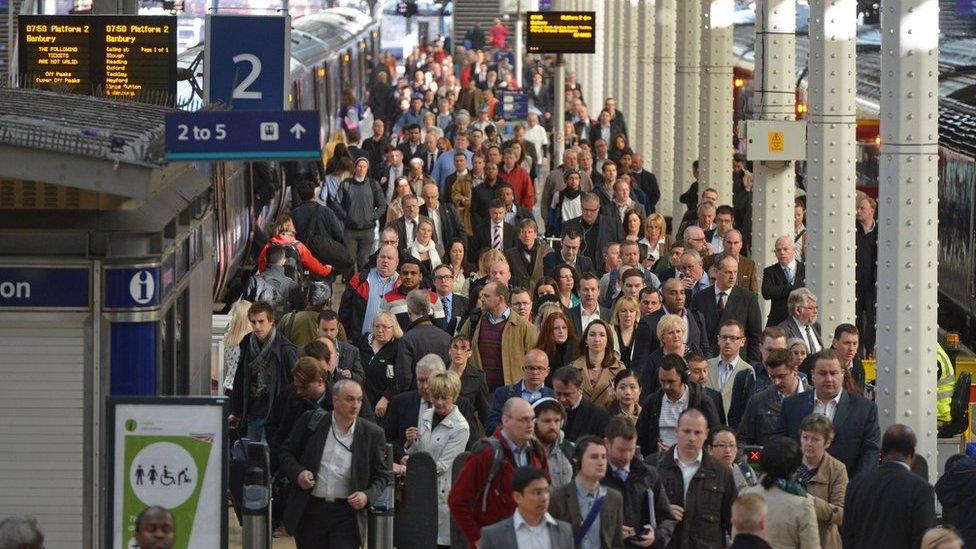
column 531, row 388
column 445, row 162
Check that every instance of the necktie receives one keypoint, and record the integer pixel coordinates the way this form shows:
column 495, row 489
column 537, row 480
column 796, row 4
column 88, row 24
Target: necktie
column 413, row 231
column 622, row 474
column 811, row 341
column 721, row 304
column 447, row 309
column 496, row 239
column 789, row 274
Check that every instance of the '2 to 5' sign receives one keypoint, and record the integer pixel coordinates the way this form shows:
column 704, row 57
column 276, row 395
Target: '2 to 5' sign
column 242, row 75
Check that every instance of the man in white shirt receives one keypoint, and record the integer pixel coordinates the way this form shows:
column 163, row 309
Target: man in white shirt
column 802, row 323
column 723, row 368
column 589, row 308
column 531, row 527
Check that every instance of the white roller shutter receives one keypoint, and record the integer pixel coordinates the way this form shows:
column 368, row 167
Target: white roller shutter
column 42, row 422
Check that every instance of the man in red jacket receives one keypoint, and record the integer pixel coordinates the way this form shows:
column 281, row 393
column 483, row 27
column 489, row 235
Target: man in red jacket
column 516, row 176
column 477, row 501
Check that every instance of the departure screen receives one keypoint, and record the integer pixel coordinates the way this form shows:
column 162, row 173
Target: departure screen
column 561, row 32
column 115, row 56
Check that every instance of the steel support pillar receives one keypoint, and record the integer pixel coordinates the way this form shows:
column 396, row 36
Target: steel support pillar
column 715, row 147
column 908, row 238
column 608, row 56
column 643, row 85
column 519, row 45
column 686, row 95
column 597, row 74
column 831, row 152
column 559, row 115
column 632, row 69
column 661, row 145
column 775, row 99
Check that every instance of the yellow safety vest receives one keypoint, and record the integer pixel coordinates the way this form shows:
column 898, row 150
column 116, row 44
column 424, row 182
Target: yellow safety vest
column 946, row 385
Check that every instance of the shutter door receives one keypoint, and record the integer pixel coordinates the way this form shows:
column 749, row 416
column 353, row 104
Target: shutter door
column 42, row 422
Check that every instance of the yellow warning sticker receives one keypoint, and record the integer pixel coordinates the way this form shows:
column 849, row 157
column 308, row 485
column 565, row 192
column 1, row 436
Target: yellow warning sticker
column 775, row 141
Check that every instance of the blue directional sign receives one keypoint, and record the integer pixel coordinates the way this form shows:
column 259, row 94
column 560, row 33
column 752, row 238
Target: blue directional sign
column 35, row 287
column 248, row 59
column 246, row 135
column 513, row 106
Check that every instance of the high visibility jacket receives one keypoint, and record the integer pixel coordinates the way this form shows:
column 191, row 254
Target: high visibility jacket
column 946, row 385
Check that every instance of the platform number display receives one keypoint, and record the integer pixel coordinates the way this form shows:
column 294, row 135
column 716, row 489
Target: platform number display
column 241, row 75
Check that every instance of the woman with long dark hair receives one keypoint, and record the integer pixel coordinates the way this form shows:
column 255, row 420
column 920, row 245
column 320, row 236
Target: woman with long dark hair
column 558, row 340
column 598, row 362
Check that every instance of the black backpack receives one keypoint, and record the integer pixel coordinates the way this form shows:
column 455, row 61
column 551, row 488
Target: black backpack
column 959, row 407
column 269, row 290
column 293, row 261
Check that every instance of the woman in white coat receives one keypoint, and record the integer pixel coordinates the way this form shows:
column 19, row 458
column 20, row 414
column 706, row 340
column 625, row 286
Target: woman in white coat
column 442, row 432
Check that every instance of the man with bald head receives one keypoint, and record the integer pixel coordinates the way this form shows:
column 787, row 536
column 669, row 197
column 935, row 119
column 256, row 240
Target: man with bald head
column 781, row 278
column 494, row 502
column 725, row 300
column 365, row 292
column 532, row 387
column 732, row 245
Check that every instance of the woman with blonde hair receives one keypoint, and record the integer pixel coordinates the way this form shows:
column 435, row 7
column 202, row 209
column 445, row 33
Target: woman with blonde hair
column 378, row 352
column 401, row 189
column 624, row 318
column 598, row 363
column 443, row 433
column 238, row 327
column 656, row 241
column 424, row 248
column 671, row 334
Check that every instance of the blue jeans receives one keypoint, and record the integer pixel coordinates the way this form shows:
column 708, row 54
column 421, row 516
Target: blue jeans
column 256, row 429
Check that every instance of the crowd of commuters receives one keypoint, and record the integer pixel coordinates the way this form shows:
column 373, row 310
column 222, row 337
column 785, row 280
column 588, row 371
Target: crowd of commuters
column 607, row 378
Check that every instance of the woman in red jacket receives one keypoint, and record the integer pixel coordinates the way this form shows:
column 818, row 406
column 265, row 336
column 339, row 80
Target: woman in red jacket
column 283, row 234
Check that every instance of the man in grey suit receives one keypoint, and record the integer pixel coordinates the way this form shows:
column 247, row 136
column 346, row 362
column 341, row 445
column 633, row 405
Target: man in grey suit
column 327, row 506
column 530, row 490
column 594, row 527
column 802, row 322
column 723, row 368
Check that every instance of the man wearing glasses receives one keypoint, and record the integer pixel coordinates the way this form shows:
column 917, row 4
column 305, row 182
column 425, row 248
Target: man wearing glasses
column 723, row 368
column 475, row 505
column 531, row 387
column 802, row 323
column 598, row 230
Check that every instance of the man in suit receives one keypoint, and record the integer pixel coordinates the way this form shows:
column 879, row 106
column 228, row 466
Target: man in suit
column 781, row 278
column 594, row 511
column 698, row 374
column 350, row 364
column 407, row 225
column 531, row 388
column 568, row 253
column 494, row 233
column 657, row 424
column 725, row 300
column 598, row 230
column 530, row 490
column 455, row 305
column 582, row 416
column 514, row 212
column 732, row 245
column 855, row 418
column 691, row 271
column 447, row 223
column 701, row 500
column 847, row 340
column 406, row 409
column 589, row 308
column 890, row 507
column 413, row 146
column 526, row 258
column 802, row 322
column 420, row 339
column 674, row 299
column 723, row 368
column 327, row 506
column 388, row 172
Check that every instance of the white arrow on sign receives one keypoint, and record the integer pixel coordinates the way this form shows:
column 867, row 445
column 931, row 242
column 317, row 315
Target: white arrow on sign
column 297, row 130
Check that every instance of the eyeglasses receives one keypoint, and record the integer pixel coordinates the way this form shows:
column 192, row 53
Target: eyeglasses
column 724, row 445
column 443, row 277
column 594, row 210
column 528, row 420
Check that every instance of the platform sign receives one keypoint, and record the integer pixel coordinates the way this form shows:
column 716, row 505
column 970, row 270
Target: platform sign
column 45, row 287
column 244, row 135
column 171, row 452
column 512, row 106
column 116, row 56
column 248, row 59
column 561, row 32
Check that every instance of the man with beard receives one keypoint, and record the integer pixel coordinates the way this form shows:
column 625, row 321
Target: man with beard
column 549, row 417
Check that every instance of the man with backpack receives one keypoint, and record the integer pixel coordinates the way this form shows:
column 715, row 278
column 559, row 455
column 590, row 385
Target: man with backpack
column 320, row 229
column 364, row 204
column 481, row 494
column 275, row 287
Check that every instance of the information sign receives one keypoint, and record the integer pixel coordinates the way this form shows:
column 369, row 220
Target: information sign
column 117, row 56
column 171, row 452
column 132, row 287
column 242, row 135
column 513, row 106
column 243, row 72
column 561, row 32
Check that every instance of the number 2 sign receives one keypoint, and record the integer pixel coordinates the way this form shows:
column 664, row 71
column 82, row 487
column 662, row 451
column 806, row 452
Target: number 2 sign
column 245, row 73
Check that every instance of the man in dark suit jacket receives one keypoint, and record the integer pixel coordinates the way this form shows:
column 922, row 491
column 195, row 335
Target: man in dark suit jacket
column 527, row 257
column 568, row 253
column 532, row 388
column 598, row 231
column 455, row 305
column 582, row 416
column 776, row 285
column 501, row 535
column 890, row 507
column 736, row 303
column 411, row 214
column 413, row 146
column 855, row 418
column 447, row 217
column 483, row 233
column 645, row 338
column 342, row 521
column 589, row 459
column 802, row 320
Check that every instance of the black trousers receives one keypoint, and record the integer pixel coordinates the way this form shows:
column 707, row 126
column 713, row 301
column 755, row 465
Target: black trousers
column 327, row 526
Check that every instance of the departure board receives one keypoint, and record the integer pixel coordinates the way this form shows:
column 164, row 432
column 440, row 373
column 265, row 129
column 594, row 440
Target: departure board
column 115, row 56
column 561, row 32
